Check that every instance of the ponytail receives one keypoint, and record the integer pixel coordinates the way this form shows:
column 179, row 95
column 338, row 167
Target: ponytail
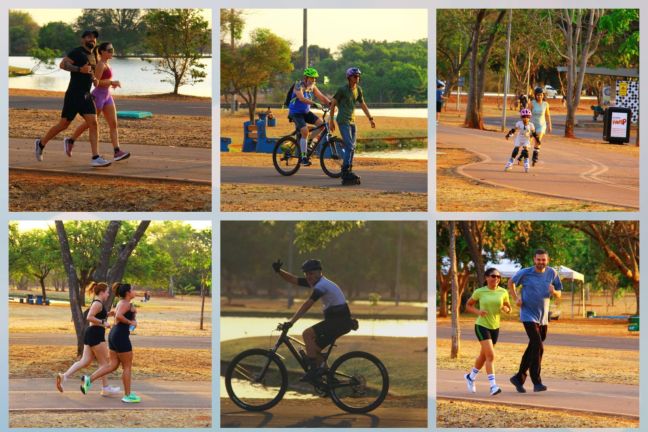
column 121, row 289
column 96, row 288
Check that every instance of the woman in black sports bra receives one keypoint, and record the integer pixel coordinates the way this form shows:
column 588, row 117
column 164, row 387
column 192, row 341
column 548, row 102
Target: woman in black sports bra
column 94, row 340
column 121, row 350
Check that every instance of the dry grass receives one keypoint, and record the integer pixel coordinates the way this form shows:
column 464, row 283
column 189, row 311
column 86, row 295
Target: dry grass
column 161, row 317
column 60, row 94
column 457, row 193
column 585, row 327
column 262, row 198
column 242, row 306
column 619, row 367
column 232, row 127
column 44, row 361
column 179, row 131
column 33, row 191
column 460, row 414
column 359, row 163
column 185, row 418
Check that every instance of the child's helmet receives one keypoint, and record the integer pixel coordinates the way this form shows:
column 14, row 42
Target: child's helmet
column 525, row 113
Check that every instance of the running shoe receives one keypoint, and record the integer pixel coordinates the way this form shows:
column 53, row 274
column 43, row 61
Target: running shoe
column 470, row 384
column 495, row 390
column 121, row 155
column 99, row 162
column 68, row 144
column 526, row 166
column 85, row 384
column 312, row 374
column 131, row 398
column 539, row 387
column 306, row 161
column 110, row 390
column 508, row 166
column 518, row 384
column 59, row 382
column 38, row 151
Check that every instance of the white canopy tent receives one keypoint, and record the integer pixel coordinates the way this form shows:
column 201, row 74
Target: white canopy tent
column 507, row 270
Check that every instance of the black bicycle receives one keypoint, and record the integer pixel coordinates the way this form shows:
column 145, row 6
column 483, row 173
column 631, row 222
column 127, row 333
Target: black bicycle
column 286, row 155
column 257, row 379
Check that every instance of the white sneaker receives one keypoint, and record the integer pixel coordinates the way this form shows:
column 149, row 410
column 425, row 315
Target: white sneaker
column 99, row 162
column 526, row 166
column 508, row 166
column 68, row 144
column 110, row 390
column 470, row 384
column 38, row 151
column 495, row 390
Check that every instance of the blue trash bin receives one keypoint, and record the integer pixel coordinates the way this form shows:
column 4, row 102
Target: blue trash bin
column 225, row 143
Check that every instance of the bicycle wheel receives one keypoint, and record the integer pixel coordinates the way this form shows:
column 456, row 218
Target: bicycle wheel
column 256, row 379
column 332, row 157
column 285, row 156
column 358, row 382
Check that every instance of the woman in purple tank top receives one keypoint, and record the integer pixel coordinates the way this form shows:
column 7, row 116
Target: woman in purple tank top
column 102, row 95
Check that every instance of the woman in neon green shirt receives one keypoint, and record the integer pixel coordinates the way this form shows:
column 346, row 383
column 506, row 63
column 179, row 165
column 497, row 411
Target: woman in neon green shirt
column 493, row 300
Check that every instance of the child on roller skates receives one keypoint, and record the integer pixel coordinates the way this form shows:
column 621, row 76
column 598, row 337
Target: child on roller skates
column 525, row 130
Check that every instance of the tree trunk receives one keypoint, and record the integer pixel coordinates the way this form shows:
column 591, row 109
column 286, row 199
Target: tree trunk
column 41, row 279
column 107, row 245
column 456, row 301
column 68, row 264
column 202, row 304
column 171, row 287
column 471, row 232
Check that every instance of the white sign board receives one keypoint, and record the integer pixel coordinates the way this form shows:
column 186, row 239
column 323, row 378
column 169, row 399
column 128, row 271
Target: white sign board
column 619, row 126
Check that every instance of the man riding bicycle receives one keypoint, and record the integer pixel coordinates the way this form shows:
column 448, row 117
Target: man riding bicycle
column 299, row 108
column 337, row 316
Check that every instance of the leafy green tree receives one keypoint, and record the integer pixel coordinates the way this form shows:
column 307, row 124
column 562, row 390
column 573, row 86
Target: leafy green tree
column 23, row 33
column 180, row 37
column 41, row 255
column 57, row 36
column 254, row 65
column 124, row 28
column 453, row 44
column 198, row 261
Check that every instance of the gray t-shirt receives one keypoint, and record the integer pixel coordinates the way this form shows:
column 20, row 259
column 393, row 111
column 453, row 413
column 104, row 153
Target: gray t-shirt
column 327, row 291
column 535, row 293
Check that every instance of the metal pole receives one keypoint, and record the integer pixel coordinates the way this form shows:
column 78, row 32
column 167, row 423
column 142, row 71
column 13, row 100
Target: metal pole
column 507, row 75
column 305, row 42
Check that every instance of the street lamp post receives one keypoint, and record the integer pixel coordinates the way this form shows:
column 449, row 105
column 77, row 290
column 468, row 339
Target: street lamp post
column 507, row 75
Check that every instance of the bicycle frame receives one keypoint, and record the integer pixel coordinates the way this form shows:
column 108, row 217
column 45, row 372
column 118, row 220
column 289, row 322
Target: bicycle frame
column 325, row 134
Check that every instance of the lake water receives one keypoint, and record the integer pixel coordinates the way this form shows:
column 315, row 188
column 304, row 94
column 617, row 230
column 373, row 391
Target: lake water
column 241, row 327
column 129, row 71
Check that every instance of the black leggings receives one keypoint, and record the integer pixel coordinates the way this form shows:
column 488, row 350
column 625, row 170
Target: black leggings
column 532, row 358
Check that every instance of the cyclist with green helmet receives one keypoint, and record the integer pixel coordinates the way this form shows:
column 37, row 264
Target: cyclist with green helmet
column 337, row 316
column 299, row 111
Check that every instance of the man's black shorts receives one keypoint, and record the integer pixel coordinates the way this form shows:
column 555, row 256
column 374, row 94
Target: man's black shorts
column 337, row 323
column 77, row 103
column 301, row 120
column 484, row 333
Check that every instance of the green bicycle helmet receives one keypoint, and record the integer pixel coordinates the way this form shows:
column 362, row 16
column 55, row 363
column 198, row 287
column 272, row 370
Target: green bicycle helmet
column 311, row 72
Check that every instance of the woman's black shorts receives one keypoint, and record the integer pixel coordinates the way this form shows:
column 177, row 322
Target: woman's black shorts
column 94, row 335
column 119, row 340
column 484, row 333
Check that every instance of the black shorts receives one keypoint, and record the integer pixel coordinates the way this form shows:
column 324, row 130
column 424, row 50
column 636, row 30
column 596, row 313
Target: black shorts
column 119, row 340
column 77, row 103
column 439, row 106
column 301, row 120
column 337, row 322
column 484, row 333
column 94, row 335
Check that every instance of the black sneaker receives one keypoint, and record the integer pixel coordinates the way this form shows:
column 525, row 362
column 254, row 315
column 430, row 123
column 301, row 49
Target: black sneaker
column 539, row 387
column 312, row 374
column 518, row 384
column 306, row 161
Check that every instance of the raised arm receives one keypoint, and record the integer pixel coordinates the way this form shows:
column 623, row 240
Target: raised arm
column 288, row 277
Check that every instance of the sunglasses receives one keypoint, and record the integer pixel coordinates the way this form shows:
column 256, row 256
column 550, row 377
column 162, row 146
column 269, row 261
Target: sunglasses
column 495, row 276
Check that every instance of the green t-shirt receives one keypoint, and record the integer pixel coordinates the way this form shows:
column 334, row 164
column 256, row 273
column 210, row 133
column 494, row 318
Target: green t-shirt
column 491, row 301
column 346, row 100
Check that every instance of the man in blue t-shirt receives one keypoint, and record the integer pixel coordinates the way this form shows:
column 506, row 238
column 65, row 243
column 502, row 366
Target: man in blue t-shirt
column 539, row 283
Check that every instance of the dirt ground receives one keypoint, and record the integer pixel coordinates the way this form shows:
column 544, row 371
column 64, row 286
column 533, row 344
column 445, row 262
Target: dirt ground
column 34, row 191
column 360, row 163
column 198, row 418
column 454, row 414
column 232, row 126
column 166, row 130
column 619, row 367
column 44, row 361
column 458, row 193
column 163, row 96
column 261, row 198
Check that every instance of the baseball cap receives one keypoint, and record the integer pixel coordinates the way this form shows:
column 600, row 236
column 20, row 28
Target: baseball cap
column 89, row 32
